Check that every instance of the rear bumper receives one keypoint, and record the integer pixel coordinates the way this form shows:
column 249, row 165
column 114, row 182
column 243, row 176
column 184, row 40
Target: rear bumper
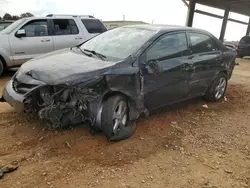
column 12, row 97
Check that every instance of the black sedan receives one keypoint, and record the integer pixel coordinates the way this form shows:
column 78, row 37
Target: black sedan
column 112, row 79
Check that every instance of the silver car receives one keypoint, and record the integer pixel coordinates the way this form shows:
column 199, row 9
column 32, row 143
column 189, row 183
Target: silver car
column 30, row 37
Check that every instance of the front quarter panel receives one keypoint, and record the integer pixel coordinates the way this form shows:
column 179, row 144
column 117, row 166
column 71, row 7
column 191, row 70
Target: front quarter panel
column 126, row 81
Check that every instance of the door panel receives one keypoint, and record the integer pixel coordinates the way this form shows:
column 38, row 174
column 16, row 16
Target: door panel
column 171, row 85
column 35, row 43
column 205, row 68
column 207, row 59
column 65, row 33
column 168, row 87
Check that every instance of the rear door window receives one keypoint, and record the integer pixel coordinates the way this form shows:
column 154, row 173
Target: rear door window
column 94, row 26
column 65, row 27
column 202, row 43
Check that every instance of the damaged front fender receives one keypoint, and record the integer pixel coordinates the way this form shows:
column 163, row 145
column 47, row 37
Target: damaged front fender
column 63, row 105
column 80, row 100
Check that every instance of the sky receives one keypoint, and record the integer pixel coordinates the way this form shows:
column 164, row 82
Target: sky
column 151, row 11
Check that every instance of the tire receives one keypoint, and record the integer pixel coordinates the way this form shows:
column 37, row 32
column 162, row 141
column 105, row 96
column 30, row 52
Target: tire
column 1, row 68
column 217, row 89
column 115, row 122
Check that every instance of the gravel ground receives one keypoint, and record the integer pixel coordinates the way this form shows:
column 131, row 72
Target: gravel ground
column 185, row 146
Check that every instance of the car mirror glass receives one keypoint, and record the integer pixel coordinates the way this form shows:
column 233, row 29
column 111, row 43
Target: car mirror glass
column 21, row 33
column 154, row 67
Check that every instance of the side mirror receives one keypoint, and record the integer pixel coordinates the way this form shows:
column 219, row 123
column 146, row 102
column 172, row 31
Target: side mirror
column 20, row 33
column 154, row 67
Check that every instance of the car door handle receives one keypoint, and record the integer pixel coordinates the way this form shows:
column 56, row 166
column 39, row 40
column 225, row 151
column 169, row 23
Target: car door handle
column 78, row 38
column 45, row 40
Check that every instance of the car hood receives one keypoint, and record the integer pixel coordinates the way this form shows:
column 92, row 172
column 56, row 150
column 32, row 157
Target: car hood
column 65, row 67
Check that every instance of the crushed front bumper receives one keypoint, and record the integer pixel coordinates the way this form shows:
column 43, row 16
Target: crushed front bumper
column 12, row 97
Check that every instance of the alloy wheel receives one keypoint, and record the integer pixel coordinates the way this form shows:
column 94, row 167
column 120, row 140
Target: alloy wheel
column 120, row 116
column 220, row 88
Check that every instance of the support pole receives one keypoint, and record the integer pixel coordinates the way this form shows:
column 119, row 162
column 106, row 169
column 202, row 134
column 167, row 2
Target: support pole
column 248, row 29
column 224, row 24
column 190, row 15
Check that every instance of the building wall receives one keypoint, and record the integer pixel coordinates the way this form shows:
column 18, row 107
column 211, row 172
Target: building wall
column 114, row 24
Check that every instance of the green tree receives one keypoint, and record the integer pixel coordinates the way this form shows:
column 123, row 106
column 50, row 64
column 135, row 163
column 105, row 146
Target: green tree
column 15, row 17
column 25, row 15
column 7, row 16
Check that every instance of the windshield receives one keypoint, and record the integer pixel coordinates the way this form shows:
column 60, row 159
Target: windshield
column 119, row 43
column 11, row 27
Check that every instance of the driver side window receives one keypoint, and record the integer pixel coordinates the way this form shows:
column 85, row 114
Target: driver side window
column 36, row 28
column 168, row 47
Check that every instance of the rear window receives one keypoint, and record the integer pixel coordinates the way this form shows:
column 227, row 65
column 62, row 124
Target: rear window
column 94, row 26
column 65, row 27
column 245, row 40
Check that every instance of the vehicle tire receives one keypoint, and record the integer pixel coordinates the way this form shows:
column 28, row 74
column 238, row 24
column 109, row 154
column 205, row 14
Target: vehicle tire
column 1, row 68
column 217, row 89
column 115, row 122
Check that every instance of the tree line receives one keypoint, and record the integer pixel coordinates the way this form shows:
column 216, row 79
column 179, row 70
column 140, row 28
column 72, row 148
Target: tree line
column 7, row 16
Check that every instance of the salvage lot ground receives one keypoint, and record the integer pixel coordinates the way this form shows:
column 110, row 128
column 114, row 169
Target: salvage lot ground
column 187, row 146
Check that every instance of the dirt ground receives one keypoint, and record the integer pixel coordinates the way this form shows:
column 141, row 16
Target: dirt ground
column 187, row 146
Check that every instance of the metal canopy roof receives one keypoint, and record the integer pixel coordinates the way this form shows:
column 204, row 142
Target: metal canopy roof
column 238, row 6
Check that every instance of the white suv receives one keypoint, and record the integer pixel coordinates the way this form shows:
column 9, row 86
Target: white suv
column 34, row 36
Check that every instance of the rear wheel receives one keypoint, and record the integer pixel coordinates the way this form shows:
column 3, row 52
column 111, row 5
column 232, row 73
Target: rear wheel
column 115, row 122
column 1, row 68
column 218, row 88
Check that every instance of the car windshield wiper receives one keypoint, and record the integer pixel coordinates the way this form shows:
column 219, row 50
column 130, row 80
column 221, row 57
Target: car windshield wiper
column 101, row 56
column 87, row 54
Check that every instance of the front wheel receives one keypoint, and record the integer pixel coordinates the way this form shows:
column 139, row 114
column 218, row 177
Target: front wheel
column 218, row 88
column 115, row 122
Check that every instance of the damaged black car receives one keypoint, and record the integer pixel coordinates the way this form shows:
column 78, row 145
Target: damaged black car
column 110, row 80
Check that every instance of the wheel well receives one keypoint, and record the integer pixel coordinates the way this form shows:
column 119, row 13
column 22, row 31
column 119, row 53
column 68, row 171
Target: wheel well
column 134, row 112
column 113, row 93
column 4, row 62
column 225, row 72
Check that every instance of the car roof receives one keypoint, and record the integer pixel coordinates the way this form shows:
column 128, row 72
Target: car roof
column 59, row 17
column 245, row 37
column 164, row 28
